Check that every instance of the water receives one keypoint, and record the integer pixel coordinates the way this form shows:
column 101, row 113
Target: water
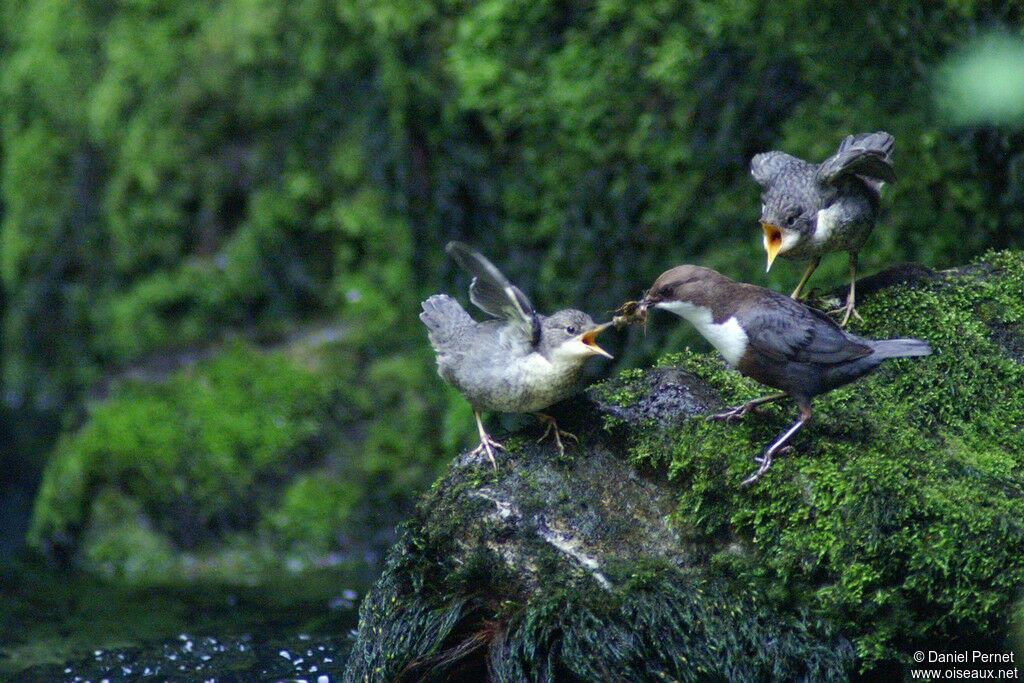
column 209, row 658
column 59, row 626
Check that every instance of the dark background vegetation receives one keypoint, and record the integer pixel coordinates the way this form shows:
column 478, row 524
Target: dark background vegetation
column 198, row 199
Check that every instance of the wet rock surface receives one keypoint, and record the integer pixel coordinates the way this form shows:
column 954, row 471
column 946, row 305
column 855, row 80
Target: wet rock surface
column 567, row 568
column 667, row 396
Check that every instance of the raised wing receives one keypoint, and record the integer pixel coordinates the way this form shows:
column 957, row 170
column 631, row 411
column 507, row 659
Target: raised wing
column 493, row 294
column 866, row 155
column 765, row 167
column 781, row 328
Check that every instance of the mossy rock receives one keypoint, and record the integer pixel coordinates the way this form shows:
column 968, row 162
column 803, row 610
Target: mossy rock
column 896, row 525
column 219, row 469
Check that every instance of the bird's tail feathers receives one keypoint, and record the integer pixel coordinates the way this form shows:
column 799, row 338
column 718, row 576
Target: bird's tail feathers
column 901, row 348
column 445, row 319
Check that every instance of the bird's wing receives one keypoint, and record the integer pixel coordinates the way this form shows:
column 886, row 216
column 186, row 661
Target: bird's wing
column 783, row 329
column 866, row 155
column 494, row 294
column 764, row 167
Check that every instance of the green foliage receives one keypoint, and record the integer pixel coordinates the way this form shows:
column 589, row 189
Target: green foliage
column 120, row 542
column 900, row 515
column 300, row 452
column 174, row 175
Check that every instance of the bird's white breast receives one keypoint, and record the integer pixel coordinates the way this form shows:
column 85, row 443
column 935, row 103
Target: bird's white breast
column 828, row 219
column 728, row 337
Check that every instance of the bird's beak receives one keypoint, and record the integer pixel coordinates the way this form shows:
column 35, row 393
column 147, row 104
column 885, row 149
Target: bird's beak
column 772, row 242
column 590, row 336
column 649, row 301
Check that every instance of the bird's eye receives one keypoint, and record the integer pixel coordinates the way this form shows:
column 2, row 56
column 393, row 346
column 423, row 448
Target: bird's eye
column 571, row 329
column 791, row 220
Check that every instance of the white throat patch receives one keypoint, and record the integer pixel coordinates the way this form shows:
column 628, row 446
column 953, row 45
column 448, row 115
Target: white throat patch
column 728, row 337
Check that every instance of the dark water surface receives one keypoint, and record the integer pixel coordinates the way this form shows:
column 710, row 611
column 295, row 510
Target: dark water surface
column 59, row 626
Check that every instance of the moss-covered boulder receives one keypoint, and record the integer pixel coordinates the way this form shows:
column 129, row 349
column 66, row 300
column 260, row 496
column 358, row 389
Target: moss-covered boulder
column 896, row 525
column 242, row 462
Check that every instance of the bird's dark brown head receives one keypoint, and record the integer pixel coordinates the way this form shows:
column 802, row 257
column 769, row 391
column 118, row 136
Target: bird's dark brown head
column 690, row 284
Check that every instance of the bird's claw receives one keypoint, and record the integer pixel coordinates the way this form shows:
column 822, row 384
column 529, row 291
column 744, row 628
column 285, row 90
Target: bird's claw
column 734, row 414
column 552, row 428
column 782, row 451
column 847, row 311
column 488, row 446
column 765, row 462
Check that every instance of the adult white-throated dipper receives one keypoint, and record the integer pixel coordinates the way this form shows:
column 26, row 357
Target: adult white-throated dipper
column 518, row 362
column 773, row 339
column 809, row 210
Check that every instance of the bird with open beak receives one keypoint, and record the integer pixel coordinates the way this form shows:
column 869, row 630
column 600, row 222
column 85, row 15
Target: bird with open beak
column 773, row 339
column 809, row 210
column 519, row 361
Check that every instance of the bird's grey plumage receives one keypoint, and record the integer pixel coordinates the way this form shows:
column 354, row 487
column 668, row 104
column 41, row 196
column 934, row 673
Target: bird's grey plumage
column 809, row 210
column 515, row 362
column 833, row 205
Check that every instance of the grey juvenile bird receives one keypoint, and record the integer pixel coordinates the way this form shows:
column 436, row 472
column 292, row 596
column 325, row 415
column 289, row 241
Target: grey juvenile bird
column 518, row 362
column 809, row 210
column 773, row 339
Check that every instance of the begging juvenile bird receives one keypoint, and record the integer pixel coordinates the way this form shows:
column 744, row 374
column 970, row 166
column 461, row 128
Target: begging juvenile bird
column 809, row 210
column 519, row 362
column 773, row 339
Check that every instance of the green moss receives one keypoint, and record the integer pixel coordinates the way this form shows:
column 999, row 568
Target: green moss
column 120, row 541
column 195, row 458
column 624, row 389
column 900, row 514
column 314, row 509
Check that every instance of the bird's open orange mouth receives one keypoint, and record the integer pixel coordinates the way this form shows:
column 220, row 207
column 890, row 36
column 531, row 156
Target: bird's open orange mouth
column 772, row 241
column 590, row 339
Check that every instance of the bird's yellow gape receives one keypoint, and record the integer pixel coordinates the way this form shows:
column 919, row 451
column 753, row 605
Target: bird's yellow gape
column 772, row 242
column 590, row 339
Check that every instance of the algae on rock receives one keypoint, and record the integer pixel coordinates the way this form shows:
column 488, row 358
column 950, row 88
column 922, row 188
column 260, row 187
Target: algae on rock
column 895, row 526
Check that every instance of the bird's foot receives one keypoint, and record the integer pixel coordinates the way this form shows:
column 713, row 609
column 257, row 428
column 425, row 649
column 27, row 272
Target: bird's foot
column 552, row 428
column 848, row 311
column 782, row 451
column 488, row 446
column 735, row 414
column 765, row 462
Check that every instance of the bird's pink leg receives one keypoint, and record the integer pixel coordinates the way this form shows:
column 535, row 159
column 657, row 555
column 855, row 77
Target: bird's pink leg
column 487, row 444
column 851, row 298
